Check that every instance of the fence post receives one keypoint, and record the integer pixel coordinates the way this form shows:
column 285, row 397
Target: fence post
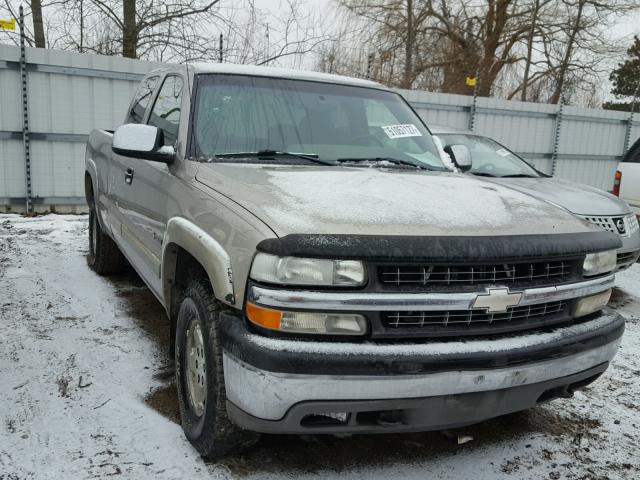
column 558, row 136
column 25, row 118
column 627, row 133
column 474, row 103
column 369, row 64
column 221, row 45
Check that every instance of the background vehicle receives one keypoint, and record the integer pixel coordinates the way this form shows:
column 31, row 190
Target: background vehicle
column 500, row 165
column 322, row 270
column 627, row 179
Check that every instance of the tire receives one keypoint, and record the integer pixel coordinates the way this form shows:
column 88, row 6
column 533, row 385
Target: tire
column 105, row 258
column 203, row 401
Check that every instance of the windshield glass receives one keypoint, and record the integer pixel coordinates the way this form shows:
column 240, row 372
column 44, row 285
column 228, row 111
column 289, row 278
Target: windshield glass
column 489, row 157
column 244, row 114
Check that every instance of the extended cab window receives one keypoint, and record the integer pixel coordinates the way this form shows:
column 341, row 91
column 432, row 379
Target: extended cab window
column 166, row 111
column 141, row 100
column 238, row 113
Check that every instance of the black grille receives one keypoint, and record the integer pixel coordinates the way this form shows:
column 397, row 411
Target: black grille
column 455, row 318
column 625, row 257
column 543, row 272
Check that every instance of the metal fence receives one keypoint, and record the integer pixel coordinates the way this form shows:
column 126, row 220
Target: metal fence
column 69, row 94
column 579, row 144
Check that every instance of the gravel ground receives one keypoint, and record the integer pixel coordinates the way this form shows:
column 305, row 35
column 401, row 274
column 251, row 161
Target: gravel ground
column 86, row 392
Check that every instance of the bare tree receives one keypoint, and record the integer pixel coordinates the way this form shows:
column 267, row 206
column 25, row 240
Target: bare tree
column 526, row 49
column 182, row 30
column 396, row 19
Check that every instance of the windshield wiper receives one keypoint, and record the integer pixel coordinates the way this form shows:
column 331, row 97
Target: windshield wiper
column 396, row 161
column 271, row 154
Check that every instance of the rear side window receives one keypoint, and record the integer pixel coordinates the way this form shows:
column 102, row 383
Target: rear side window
column 633, row 155
column 142, row 99
column 166, row 111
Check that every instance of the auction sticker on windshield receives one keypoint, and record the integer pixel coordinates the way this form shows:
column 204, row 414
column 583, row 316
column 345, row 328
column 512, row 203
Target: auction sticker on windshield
column 401, row 131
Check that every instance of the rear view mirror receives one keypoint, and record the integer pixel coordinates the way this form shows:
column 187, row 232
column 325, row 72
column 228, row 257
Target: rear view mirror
column 141, row 141
column 461, row 156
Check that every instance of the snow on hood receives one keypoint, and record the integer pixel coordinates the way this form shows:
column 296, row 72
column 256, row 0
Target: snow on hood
column 376, row 201
column 575, row 197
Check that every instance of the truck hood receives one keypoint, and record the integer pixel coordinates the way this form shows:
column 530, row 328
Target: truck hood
column 575, row 197
column 381, row 201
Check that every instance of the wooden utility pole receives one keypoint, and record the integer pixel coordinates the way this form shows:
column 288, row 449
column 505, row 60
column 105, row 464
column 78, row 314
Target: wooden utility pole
column 407, row 78
column 129, row 31
column 38, row 26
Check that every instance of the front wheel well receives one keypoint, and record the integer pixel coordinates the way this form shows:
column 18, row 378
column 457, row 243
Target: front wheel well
column 88, row 189
column 180, row 268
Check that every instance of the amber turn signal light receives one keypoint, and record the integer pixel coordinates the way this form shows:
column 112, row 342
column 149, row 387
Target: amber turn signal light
column 264, row 317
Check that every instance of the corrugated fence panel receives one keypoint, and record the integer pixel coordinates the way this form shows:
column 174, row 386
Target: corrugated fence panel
column 592, row 132
column 10, row 100
column 523, row 127
column 57, row 169
column 70, row 94
column 12, row 168
column 439, row 109
column 12, row 182
column 598, row 173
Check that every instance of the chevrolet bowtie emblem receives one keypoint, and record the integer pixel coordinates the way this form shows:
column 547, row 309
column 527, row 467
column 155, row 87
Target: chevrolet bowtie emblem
column 497, row 300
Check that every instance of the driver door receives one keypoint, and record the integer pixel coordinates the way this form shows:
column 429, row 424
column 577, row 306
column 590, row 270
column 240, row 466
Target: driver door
column 145, row 186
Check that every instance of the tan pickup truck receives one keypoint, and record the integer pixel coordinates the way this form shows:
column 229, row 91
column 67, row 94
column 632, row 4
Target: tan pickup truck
column 324, row 273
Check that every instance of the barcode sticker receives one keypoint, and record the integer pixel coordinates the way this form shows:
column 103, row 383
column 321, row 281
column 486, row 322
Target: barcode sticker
column 401, row 131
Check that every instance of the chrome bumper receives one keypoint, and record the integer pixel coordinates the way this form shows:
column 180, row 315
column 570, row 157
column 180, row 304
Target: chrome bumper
column 389, row 301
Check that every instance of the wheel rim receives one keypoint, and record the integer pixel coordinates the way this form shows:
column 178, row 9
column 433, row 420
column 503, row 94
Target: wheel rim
column 94, row 234
column 196, row 369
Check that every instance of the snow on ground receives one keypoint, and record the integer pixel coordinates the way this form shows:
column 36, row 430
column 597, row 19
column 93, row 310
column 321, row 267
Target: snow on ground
column 85, row 392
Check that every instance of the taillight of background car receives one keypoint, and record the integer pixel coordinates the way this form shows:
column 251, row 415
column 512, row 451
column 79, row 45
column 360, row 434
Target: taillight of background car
column 616, row 183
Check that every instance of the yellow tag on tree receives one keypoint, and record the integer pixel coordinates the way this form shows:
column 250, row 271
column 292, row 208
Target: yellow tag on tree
column 471, row 81
column 8, row 24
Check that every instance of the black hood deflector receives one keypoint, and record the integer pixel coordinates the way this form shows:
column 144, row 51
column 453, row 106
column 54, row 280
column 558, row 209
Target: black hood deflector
column 441, row 248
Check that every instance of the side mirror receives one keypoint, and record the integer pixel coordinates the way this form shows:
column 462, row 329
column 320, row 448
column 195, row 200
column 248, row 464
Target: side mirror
column 141, row 141
column 461, row 156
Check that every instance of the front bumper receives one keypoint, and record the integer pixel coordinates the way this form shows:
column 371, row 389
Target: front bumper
column 288, row 386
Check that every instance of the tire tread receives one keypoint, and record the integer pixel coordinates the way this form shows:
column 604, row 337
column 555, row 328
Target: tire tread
column 221, row 437
column 107, row 259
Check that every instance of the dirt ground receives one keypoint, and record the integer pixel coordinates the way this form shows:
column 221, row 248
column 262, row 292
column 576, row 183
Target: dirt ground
column 86, row 392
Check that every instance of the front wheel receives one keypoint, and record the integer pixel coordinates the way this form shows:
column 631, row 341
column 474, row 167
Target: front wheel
column 200, row 377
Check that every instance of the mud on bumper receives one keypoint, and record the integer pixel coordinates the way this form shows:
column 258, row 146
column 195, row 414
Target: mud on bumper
column 283, row 386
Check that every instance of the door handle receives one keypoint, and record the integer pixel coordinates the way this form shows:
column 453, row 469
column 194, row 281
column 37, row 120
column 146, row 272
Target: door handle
column 128, row 176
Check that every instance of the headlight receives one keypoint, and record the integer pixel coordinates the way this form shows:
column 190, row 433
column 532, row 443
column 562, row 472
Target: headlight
column 307, row 322
column 307, row 271
column 632, row 223
column 597, row 263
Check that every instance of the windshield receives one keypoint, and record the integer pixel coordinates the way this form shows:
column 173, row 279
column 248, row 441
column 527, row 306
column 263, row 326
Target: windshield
column 489, row 157
column 244, row 114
